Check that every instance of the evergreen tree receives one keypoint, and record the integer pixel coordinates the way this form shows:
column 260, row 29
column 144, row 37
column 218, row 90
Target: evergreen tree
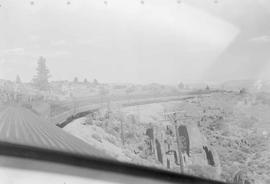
column 41, row 79
column 18, row 79
column 85, row 81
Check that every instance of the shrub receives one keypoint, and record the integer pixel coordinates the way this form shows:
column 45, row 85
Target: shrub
column 89, row 120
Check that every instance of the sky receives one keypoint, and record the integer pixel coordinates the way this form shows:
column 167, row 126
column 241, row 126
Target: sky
column 128, row 41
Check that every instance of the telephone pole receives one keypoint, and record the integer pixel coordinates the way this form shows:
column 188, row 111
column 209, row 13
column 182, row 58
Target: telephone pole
column 121, row 119
column 122, row 132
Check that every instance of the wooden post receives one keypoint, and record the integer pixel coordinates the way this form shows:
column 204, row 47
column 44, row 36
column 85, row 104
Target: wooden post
column 122, row 132
column 74, row 106
column 50, row 113
column 139, row 113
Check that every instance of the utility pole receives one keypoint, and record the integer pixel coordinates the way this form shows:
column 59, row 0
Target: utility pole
column 109, row 109
column 50, row 113
column 139, row 113
column 74, row 105
column 121, row 118
column 122, row 132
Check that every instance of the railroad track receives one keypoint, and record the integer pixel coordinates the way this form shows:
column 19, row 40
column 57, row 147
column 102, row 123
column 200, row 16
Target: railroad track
column 75, row 111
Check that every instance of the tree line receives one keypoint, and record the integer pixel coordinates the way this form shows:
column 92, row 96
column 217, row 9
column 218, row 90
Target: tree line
column 42, row 76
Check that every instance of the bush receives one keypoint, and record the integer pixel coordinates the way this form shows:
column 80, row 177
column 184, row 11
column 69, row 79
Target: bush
column 112, row 140
column 89, row 120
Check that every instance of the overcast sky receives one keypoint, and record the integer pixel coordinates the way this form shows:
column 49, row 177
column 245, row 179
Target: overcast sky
column 127, row 41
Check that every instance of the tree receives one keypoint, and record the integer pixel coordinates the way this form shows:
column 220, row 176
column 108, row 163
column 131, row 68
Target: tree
column 207, row 88
column 95, row 82
column 41, row 79
column 181, row 85
column 18, row 79
column 85, row 81
column 76, row 80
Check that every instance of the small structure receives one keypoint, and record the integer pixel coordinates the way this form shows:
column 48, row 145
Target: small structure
column 183, row 135
column 209, row 156
column 150, row 134
column 159, row 153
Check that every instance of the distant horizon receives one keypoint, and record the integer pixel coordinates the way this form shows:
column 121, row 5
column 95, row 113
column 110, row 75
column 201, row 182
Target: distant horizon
column 132, row 83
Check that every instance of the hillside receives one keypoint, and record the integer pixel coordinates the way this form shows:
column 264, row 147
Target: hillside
column 232, row 126
column 237, row 126
column 136, row 146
